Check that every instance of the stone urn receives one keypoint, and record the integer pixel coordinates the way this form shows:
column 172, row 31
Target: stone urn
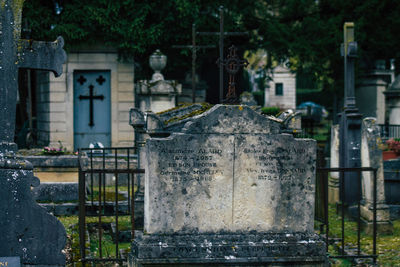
column 157, row 62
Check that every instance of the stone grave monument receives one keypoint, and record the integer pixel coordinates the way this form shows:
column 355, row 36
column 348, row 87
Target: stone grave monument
column 333, row 182
column 371, row 156
column 157, row 94
column 228, row 187
column 27, row 231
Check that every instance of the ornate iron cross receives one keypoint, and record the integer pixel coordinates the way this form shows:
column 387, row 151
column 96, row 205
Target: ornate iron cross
column 232, row 65
column 91, row 97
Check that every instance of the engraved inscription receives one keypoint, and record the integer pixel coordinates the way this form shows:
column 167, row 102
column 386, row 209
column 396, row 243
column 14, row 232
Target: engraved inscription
column 275, row 163
column 191, row 164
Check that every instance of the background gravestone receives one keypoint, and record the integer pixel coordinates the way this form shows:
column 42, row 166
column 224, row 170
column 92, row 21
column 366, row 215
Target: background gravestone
column 229, row 188
column 26, row 230
column 371, row 156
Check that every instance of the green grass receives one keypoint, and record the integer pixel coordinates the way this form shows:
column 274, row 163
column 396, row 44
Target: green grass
column 388, row 246
column 108, row 247
column 110, row 193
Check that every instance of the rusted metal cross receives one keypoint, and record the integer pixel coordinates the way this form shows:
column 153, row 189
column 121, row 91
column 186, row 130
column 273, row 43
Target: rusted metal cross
column 232, row 65
column 221, row 35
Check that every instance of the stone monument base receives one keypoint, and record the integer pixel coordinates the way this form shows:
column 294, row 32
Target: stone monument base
column 383, row 223
column 247, row 249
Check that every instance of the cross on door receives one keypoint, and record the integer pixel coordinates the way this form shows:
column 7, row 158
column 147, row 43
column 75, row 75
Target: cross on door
column 100, row 80
column 91, row 97
column 82, row 80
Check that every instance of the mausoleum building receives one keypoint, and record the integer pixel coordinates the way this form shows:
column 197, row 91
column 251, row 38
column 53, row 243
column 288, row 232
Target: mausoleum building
column 282, row 89
column 89, row 103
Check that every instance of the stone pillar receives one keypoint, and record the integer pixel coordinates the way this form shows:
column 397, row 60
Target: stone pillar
column 392, row 95
column 370, row 96
column 333, row 182
column 137, row 121
column 371, row 156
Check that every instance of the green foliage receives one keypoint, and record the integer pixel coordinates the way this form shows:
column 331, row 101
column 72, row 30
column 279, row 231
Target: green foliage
column 307, row 32
column 134, row 27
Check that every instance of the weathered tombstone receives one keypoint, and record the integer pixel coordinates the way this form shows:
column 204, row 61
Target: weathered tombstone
column 229, row 188
column 148, row 124
column 333, row 182
column 26, row 230
column 371, row 156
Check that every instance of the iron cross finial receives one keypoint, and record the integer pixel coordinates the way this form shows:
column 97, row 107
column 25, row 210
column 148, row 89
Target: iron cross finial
column 232, row 65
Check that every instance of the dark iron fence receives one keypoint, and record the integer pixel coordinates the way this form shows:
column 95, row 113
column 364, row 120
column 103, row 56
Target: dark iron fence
column 322, row 210
column 102, row 174
column 389, row 131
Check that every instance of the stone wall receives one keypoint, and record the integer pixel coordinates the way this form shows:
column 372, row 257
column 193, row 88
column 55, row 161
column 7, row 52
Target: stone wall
column 43, row 106
column 55, row 99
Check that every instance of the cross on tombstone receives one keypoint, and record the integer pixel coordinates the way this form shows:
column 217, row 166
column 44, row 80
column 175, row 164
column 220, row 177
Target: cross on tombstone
column 17, row 53
column 22, row 221
column 91, row 97
column 194, row 49
column 221, row 35
column 232, row 65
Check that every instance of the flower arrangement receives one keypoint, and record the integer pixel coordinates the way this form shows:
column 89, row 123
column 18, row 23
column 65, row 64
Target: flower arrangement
column 393, row 144
column 55, row 151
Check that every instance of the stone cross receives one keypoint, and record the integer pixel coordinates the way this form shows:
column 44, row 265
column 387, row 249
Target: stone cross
column 16, row 53
column 26, row 230
column 350, row 119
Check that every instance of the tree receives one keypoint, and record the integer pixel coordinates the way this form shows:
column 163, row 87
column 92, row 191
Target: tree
column 136, row 28
column 307, row 32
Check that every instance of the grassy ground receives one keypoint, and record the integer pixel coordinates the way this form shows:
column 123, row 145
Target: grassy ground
column 108, row 247
column 388, row 246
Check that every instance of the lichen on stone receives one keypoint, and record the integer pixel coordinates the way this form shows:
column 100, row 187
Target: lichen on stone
column 204, row 107
column 182, row 105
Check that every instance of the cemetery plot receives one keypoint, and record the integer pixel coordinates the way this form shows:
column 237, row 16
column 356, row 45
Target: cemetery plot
column 107, row 203
column 230, row 182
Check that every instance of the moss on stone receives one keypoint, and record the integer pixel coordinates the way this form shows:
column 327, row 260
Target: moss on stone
column 204, row 108
column 182, row 105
